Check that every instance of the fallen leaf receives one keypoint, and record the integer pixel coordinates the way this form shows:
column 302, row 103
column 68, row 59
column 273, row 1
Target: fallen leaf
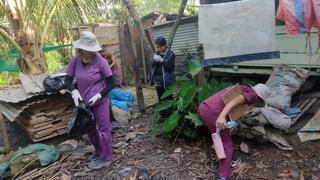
column 177, row 150
column 66, row 176
column 134, row 176
column 242, row 169
column 301, row 175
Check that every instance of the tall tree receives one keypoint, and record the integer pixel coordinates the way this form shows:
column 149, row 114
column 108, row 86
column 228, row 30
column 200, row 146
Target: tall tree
column 177, row 22
column 30, row 22
column 137, row 23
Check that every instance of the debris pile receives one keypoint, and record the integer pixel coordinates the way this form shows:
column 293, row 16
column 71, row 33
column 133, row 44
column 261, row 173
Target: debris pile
column 46, row 119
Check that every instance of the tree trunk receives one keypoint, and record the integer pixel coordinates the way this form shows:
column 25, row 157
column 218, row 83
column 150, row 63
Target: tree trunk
column 137, row 23
column 139, row 91
column 177, row 22
column 31, row 58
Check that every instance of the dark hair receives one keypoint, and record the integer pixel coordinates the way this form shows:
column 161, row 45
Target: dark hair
column 161, row 41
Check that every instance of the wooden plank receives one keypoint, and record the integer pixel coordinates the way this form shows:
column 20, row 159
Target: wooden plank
column 122, row 53
column 306, row 107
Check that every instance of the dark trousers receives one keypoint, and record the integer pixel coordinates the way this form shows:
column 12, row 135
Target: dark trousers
column 167, row 112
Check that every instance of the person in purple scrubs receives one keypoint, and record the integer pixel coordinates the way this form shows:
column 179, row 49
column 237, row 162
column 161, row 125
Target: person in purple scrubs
column 214, row 113
column 94, row 81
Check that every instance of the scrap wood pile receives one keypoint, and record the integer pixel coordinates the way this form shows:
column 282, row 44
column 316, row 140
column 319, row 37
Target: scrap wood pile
column 46, row 119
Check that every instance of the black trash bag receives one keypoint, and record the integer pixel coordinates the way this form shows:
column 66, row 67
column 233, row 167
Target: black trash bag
column 81, row 120
column 54, row 83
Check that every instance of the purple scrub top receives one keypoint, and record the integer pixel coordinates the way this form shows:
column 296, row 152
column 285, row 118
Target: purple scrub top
column 90, row 77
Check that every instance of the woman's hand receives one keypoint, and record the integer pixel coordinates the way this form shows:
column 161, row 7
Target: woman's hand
column 220, row 122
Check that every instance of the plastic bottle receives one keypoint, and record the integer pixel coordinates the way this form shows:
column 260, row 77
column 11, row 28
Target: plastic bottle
column 231, row 124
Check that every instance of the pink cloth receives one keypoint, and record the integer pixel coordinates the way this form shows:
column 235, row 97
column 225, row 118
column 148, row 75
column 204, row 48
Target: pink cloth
column 209, row 111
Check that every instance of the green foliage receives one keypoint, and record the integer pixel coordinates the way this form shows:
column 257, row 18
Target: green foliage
column 54, row 60
column 187, row 95
column 194, row 67
column 162, row 105
column 8, row 78
column 171, row 89
column 248, row 81
column 170, row 124
column 194, row 118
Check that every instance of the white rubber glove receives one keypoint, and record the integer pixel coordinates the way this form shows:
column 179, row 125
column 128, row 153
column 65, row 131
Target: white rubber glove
column 76, row 97
column 157, row 58
column 95, row 98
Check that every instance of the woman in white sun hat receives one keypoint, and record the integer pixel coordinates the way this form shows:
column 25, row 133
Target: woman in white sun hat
column 214, row 113
column 94, row 81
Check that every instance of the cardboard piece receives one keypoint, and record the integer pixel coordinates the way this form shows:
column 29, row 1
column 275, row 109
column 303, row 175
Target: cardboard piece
column 229, row 95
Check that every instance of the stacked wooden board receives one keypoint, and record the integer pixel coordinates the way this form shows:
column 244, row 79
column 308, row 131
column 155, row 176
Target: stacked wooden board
column 46, row 119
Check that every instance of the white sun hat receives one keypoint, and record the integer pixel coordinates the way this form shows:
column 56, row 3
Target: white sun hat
column 262, row 91
column 87, row 41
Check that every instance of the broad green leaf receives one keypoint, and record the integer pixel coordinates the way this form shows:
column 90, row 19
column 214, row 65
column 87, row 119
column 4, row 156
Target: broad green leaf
column 171, row 89
column 185, row 87
column 171, row 122
column 189, row 98
column 190, row 132
column 204, row 92
column 180, row 104
column 194, row 118
column 195, row 66
column 162, row 105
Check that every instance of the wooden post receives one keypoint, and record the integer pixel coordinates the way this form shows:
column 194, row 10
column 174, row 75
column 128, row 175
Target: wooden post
column 122, row 53
column 139, row 91
column 144, row 65
column 4, row 134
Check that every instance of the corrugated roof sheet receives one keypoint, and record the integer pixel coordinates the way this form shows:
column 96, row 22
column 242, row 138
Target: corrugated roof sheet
column 12, row 110
column 32, row 83
column 15, row 94
column 186, row 38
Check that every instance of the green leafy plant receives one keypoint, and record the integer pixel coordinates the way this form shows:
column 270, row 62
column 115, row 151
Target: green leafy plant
column 187, row 95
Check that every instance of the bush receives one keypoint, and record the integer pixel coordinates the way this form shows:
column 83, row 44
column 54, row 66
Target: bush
column 188, row 94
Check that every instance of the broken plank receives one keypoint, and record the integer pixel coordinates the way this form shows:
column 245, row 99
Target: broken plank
column 304, row 109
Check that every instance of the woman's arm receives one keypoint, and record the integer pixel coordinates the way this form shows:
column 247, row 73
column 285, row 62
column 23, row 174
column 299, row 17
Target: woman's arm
column 228, row 107
column 113, row 62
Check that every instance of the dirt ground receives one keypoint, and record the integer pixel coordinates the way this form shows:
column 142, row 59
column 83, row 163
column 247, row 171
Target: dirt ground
column 141, row 157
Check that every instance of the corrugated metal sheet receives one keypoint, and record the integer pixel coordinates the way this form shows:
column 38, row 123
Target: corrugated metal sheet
column 12, row 110
column 15, row 94
column 32, row 83
column 186, row 37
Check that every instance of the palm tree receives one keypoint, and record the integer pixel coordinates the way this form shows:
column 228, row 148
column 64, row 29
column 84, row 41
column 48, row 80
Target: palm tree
column 27, row 24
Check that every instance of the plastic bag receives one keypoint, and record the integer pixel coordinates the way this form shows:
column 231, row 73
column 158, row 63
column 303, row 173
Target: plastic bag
column 81, row 120
column 276, row 118
column 54, row 83
column 284, row 82
column 120, row 104
column 121, row 95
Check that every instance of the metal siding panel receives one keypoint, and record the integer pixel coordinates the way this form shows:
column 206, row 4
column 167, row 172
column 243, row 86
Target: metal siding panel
column 186, row 37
